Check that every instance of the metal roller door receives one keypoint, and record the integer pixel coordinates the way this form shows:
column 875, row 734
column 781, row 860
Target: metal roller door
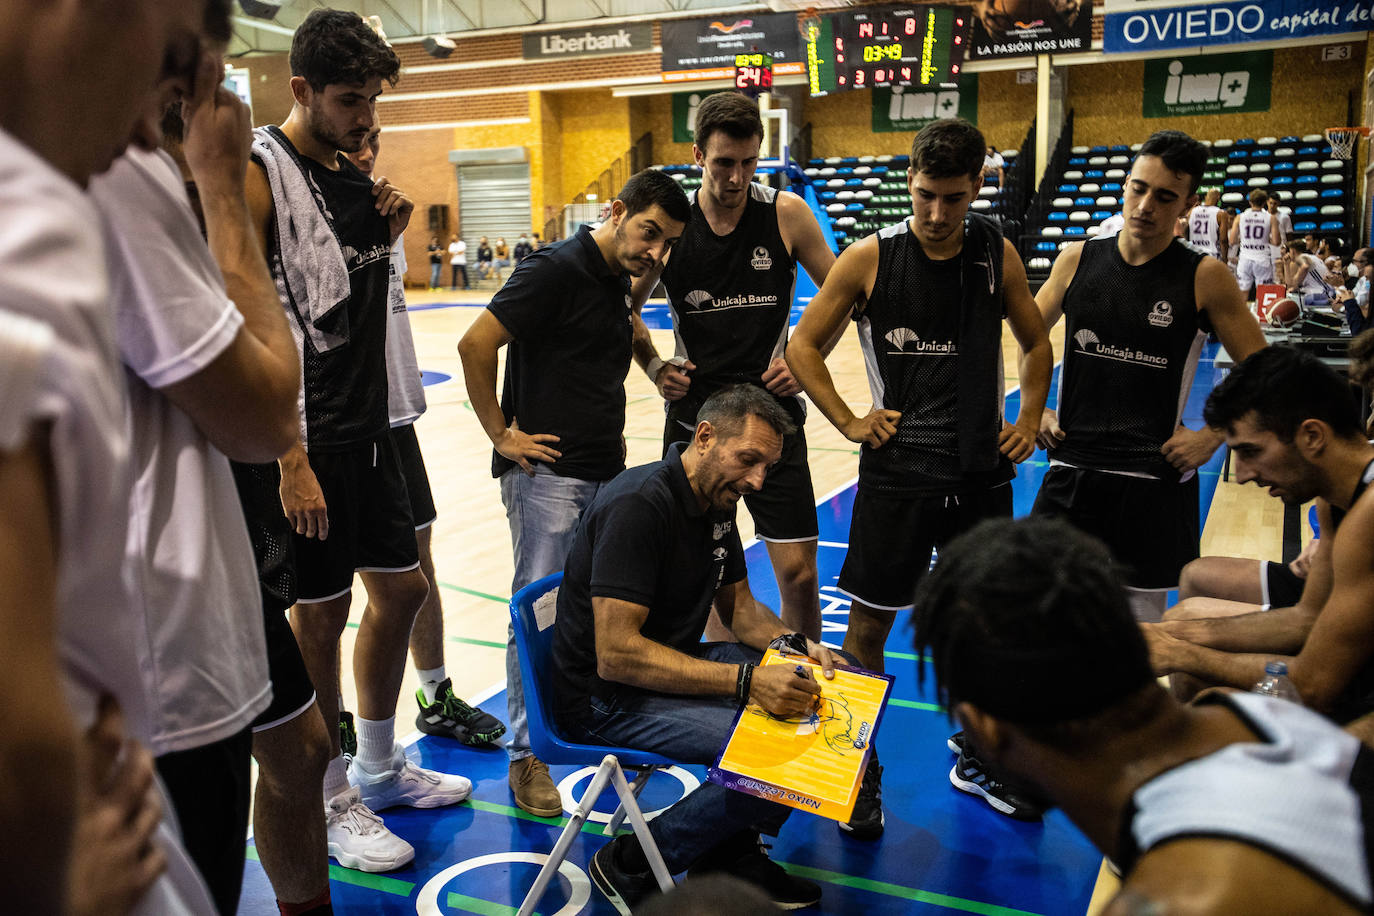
column 493, row 200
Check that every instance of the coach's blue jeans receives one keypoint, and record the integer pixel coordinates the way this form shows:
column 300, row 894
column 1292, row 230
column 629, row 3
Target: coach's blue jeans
column 690, row 729
column 543, row 511
column 435, row 268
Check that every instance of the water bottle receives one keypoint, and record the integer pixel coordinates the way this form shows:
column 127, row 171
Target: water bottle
column 1275, row 683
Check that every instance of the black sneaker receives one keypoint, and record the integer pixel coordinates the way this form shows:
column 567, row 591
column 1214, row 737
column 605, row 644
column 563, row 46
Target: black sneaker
column 744, row 856
column 866, row 820
column 969, row 775
column 955, row 742
column 348, row 734
column 625, row 890
column 450, row 717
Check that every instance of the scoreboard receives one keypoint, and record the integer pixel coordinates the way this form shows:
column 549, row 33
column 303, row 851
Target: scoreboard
column 886, row 46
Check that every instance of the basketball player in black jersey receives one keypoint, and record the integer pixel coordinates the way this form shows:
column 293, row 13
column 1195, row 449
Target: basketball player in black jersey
column 730, row 281
column 342, row 485
column 1292, row 425
column 937, row 454
column 1138, row 309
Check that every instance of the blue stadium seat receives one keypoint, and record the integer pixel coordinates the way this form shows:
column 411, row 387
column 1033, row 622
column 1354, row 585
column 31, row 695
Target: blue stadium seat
column 1333, row 192
column 1305, row 227
column 1097, row 149
column 1100, row 215
column 853, row 182
column 1305, row 211
column 1233, row 183
column 855, row 207
column 1082, row 201
column 1058, row 216
column 1246, row 141
column 1334, row 225
column 844, row 171
column 849, row 160
column 1280, row 181
column 1113, row 186
column 1238, row 154
column 1283, row 166
column 1311, row 151
column 1078, row 161
column 827, row 195
column 1119, row 148
column 1067, row 188
column 1306, row 179
column 1290, row 140
column 1075, row 230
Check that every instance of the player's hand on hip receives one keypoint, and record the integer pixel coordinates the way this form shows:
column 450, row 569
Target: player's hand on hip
column 673, row 381
column 1015, row 442
column 523, row 448
column 393, row 203
column 874, row 429
column 783, row 692
column 778, row 379
column 302, row 501
column 1188, row 449
column 115, row 858
column 1050, row 435
column 218, row 129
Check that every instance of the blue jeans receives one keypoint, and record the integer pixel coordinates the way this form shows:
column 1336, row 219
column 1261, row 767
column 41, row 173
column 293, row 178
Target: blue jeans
column 435, row 269
column 690, row 729
column 543, row 511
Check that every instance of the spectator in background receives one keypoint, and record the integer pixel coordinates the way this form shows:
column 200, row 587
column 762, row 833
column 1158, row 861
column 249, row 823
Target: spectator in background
column 1304, row 276
column 500, row 257
column 484, row 258
column 522, row 248
column 536, row 242
column 1355, row 303
column 994, row 165
column 436, row 262
column 458, row 261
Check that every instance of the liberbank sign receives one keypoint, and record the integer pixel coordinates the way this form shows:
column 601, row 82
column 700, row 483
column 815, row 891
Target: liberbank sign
column 1148, row 25
column 631, row 38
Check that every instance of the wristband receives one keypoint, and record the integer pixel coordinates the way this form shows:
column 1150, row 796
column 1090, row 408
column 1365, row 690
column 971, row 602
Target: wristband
column 794, row 643
column 654, row 368
column 742, row 682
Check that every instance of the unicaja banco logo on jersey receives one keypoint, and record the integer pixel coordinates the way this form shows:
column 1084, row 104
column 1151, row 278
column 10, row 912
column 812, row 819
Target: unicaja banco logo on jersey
column 699, row 300
column 1161, row 314
column 761, row 260
column 1090, row 345
column 908, row 343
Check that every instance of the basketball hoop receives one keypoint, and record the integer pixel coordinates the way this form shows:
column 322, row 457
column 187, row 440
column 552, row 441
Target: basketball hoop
column 1343, row 139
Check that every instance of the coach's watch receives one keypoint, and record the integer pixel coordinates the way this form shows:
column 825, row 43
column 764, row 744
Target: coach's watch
column 790, row 642
column 654, row 368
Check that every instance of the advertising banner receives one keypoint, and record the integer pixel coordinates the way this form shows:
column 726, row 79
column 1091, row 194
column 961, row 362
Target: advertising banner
column 1210, row 84
column 906, row 109
column 1024, row 28
column 705, row 49
column 1142, row 25
column 630, row 38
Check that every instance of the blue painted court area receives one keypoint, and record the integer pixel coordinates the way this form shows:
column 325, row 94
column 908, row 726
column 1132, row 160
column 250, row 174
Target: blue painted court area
column 943, row 851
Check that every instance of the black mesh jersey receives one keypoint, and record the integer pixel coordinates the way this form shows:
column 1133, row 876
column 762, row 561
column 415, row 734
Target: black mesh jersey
column 270, row 532
column 344, row 390
column 1132, row 338
column 731, row 296
column 909, row 331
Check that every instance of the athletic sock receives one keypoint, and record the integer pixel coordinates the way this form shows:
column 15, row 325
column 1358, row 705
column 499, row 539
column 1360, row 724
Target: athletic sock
column 430, row 679
column 317, row 906
column 376, row 743
column 335, row 778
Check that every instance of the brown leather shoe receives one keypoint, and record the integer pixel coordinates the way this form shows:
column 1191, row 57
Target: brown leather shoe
column 534, row 789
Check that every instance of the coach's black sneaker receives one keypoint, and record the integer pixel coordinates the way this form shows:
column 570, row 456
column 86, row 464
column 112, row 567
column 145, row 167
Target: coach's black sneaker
column 969, row 775
column 623, row 888
column 866, row 820
column 348, row 734
column 744, row 856
column 450, row 717
column 955, row 742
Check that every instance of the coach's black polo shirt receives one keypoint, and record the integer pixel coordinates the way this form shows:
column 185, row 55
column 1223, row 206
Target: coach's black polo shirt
column 569, row 315
column 646, row 540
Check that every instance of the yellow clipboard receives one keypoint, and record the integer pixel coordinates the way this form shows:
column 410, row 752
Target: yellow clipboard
column 813, row 762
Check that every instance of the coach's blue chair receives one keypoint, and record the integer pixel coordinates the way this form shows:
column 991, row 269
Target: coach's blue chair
column 532, row 611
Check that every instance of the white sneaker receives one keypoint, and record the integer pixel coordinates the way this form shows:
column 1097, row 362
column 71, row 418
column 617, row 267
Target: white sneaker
column 358, row 838
column 404, row 783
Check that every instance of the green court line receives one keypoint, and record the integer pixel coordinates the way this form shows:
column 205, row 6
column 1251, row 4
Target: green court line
column 904, row 893
column 472, row 591
column 907, row 656
column 358, row 878
column 481, row 907
column 508, row 811
column 476, row 642
column 913, row 704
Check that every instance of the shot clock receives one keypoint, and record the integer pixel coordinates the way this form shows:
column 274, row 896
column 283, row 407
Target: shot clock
column 886, row 46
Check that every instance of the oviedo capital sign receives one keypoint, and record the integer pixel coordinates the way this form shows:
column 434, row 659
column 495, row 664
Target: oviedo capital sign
column 1131, row 25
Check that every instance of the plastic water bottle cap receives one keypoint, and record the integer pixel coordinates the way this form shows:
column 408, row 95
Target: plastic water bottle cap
column 1276, row 669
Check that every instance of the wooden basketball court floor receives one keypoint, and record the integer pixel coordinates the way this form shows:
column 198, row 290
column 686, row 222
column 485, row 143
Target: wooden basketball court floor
column 943, row 851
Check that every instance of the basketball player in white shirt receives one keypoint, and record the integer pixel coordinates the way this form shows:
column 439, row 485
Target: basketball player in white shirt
column 1253, row 231
column 1207, row 225
column 1280, row 232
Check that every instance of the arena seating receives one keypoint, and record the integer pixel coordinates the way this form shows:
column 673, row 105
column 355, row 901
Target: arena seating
column 1299, row 171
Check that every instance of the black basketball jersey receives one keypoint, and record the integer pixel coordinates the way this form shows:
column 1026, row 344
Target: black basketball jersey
column 1132, row 338
column 345, row 388
column 910, row 333
column 731, row 296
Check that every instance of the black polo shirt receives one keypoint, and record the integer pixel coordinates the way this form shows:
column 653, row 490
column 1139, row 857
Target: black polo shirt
column 566, row 367
column 646, row 540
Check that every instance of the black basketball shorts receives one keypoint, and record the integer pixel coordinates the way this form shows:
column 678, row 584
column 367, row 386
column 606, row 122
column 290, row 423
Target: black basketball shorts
column 417, row 478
